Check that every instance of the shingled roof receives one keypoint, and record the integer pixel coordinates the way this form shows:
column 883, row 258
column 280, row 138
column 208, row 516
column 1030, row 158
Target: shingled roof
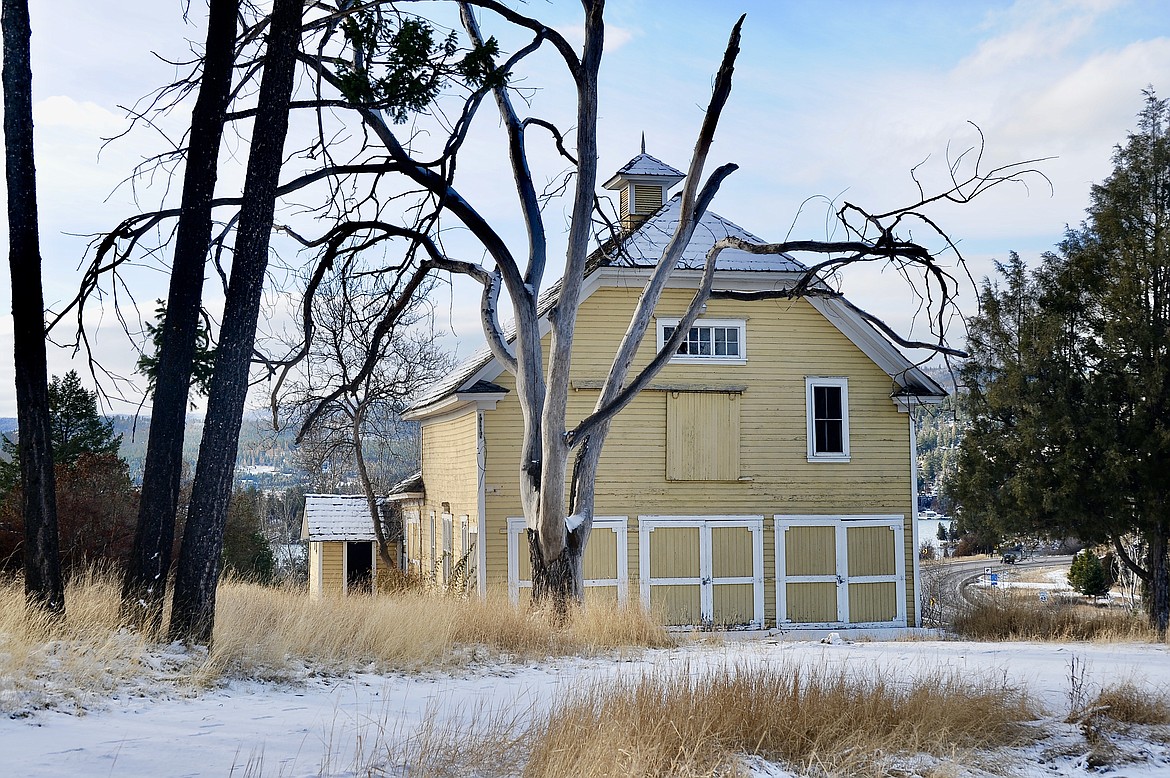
column 337, row 517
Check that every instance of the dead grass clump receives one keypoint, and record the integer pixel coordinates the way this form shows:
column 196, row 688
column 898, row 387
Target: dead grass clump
column 69, row 663
column 1129, row 704
column 1014, row 618
column 824, row 721
column 262, row 631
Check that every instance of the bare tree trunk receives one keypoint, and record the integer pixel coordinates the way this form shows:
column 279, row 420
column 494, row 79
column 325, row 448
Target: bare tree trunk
column 145, row 580
column 43, row 586
column 371, row 498
column 193, row 606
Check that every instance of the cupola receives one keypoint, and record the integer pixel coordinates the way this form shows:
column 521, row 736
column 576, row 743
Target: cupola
column 642, row 184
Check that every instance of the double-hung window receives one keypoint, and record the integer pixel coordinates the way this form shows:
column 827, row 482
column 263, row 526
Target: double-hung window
column 708, row 340
column 827, row 404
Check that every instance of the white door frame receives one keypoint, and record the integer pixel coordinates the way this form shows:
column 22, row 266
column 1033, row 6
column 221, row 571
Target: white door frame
column 617, row 524
column 706, row 581
column 895, row 522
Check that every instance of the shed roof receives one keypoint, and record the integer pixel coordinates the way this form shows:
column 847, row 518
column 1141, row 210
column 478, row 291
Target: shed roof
column 337, row 517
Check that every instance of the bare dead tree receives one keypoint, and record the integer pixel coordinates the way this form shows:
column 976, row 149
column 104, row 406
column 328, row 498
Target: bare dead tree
column 367, row 416
column 559, row 521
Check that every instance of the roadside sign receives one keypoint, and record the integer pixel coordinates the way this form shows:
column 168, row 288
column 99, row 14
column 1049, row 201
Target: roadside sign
column 995, row 579
column 987, row 571
column 1043, row 596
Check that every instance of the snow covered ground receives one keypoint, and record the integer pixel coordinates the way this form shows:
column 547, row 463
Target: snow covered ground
column 332, row 726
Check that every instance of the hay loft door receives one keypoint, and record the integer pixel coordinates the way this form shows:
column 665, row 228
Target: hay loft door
column 832, row 571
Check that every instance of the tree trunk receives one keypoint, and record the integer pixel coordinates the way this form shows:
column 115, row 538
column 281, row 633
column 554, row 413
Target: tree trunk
column 1158, row 586
column 43, row 585
column 371, row 498
column 193, row 606
column 145, row 580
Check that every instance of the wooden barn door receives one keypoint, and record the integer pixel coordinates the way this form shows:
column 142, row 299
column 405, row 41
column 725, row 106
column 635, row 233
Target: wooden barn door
column 840, row 570
column 703, row 571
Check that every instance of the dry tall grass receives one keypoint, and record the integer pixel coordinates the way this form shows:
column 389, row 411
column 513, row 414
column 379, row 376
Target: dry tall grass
column 816, row 721
column 1022, row 618
column 67, row 663
column 268, row 633
column 820, row 720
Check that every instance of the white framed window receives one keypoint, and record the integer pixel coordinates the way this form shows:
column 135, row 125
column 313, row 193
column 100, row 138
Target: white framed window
column 827, row 404
column 709, row 340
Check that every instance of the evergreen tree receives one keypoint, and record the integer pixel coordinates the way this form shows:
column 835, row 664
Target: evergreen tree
column 1087, row 575
column 1069, row 378
column 75, row 426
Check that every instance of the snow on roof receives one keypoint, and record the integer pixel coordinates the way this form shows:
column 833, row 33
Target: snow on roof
column 641, row 248
column 644, row 246
column 338, row 517
column 644, row 165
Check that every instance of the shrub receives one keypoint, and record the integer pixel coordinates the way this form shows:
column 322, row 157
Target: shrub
column 1087, row 575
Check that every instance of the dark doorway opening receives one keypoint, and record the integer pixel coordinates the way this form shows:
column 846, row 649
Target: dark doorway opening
column 359, row 568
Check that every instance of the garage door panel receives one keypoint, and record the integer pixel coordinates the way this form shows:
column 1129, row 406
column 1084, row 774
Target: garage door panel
column 601, row 554
column 731, row 552
column 872, row 551
column 677, row 604
column 873, row 602
column 812, row 603
column 674, row 552
column 733, row 604
column 604, row 596
column 810, row 550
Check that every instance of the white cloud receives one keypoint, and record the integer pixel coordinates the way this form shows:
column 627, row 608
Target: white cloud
column 64, row 111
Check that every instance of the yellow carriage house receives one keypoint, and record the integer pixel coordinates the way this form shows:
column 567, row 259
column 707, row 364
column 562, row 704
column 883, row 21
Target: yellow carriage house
column 765, row 478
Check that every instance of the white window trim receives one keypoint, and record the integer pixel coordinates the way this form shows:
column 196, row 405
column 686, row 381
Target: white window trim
column 810, row 433
column 739, row 324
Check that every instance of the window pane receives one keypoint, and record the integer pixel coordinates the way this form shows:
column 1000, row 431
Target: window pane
column 828, row 420
column 828, row 437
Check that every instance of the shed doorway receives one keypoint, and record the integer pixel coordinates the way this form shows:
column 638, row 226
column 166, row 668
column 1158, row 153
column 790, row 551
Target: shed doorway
column 359, row 568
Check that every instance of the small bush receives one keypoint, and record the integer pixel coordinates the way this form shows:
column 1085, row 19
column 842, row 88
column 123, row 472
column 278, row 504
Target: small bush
column 1087, row 575
column 1129, row 704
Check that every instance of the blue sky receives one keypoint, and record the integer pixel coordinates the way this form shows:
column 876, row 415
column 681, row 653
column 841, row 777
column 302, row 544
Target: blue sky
column 838, row 99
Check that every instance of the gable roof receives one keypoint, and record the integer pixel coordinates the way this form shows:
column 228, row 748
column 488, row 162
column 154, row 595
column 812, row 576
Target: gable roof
column 641, row 249
column 337, row 517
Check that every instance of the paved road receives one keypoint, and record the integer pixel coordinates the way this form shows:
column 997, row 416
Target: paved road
column 947, row 582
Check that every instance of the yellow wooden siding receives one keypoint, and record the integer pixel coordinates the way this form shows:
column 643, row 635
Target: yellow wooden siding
column 872, row 602
column 702, row 436
column 810, row 551
column 332, row 568
column 811, row 603
column 785, row 341
column 674, row 552
column 450, row 475
column 870, row 551
column 647, row 198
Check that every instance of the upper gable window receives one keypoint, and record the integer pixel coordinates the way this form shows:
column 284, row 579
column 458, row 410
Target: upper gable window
column 828, row 419
column 709, row 340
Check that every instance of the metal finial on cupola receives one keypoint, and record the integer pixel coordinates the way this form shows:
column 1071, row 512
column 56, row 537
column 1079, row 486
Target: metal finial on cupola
column 642, row 184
